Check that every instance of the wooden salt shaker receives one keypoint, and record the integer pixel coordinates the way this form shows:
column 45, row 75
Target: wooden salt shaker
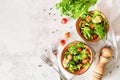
column 98, row 71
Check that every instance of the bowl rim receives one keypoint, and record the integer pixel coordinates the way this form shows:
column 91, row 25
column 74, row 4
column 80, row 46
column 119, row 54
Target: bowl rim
column 78, row 72
column 79, row 31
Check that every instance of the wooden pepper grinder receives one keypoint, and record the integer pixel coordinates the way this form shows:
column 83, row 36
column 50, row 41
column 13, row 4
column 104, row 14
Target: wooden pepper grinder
column 98, row 71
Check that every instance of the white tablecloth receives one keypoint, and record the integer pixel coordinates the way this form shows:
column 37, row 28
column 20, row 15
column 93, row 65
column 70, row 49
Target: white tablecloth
column 27, row 28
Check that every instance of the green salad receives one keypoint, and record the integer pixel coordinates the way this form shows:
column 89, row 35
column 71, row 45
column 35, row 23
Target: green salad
column 93, row 25
column 74, row 8
column 76, row 57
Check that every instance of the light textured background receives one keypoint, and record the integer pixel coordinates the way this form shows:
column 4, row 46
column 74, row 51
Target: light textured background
column 26, row 31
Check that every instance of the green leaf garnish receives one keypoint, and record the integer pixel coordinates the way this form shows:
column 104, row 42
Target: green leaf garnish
column 74, row 8
column 87, row 33
column 100, row 31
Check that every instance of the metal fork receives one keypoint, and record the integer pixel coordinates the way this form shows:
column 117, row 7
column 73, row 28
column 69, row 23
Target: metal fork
column 50, row 63
column 54, row 48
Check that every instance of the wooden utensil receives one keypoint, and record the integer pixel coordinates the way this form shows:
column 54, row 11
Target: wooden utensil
column 98, row 71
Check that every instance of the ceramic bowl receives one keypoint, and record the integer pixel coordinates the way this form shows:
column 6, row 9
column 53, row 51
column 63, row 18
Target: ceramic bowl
column 80, row 62
column 88, row 26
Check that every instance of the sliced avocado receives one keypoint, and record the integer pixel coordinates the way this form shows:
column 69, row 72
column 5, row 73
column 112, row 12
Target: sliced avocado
column 97, row 19
column 65, row 62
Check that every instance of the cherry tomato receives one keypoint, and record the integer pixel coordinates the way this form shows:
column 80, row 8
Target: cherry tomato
column 84, row 61
column 62, row 42
column 69, row 57
column 64, row 20
column 91, row 26
column 79, row 49
column 67, row 35
column 88, row 18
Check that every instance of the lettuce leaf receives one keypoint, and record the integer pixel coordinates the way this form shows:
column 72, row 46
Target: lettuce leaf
column 100, row 31
column 87, row 32
column 74, row 8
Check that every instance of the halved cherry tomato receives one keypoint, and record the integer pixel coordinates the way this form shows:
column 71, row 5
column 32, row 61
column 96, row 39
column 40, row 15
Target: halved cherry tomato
column 84, row 61
column 88, row 18
column 64, row 20
column 91, row 26
column 67, row 35
column 79, row 49
column 62, row 42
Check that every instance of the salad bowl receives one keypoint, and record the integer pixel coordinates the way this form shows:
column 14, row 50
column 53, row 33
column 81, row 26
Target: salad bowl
column 76, row 57
column 92, row 26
